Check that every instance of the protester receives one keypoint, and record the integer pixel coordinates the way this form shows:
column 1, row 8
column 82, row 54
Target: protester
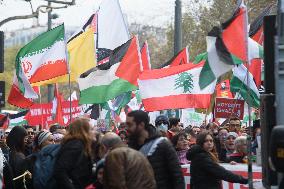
column 56, row 128
column 43, row 139
column 57, row 137
column 235, row 125
column 159, row 151
column 212, row 127
column 30, row 140
column 125, row 167
column 99, row 174
column 181, row 144
column 204, row 170
column 16, row 142
column 73, row 168
column 162, row 123
column 193, row 134
column 123, row 136
column 174, row 126
column 240, row 153
column 220, row 144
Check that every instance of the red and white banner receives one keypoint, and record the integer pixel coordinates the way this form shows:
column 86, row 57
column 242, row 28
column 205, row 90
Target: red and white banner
column 41, row 114
column 174, row 87
column 240, row 169
column 228, row 107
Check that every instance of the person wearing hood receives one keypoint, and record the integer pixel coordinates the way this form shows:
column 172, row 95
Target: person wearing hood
column 160, row 152
column 205, row 170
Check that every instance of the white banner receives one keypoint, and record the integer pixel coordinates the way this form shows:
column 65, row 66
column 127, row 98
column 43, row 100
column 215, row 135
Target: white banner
column 240, row 169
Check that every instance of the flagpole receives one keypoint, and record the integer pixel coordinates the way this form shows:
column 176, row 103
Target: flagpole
column 70, row 99
column 249, row 138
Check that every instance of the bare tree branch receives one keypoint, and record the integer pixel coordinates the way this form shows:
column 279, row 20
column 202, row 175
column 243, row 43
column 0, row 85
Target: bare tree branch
column 34, row 15
column 62, row 2
column 41, row 8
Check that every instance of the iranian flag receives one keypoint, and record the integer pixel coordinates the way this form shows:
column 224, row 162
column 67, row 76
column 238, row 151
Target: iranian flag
column 239, row 85
column 44, row 57
column 113, row 78
column 41, row 59
column 174, row 87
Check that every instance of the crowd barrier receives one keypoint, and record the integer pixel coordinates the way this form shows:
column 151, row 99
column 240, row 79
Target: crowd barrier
column 241, row 169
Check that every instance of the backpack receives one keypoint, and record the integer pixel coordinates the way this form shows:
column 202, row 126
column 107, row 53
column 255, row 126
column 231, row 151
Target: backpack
column 44, row 166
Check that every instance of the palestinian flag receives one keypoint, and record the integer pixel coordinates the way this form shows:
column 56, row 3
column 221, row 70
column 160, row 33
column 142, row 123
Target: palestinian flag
column 114, row 78
column 18, row 119
column 145, row 57
column 235, row 32
column 174, row 87
column 239, row 85
column 256, row 33
column 228, row 46
column 180, row 58
column 256, row 28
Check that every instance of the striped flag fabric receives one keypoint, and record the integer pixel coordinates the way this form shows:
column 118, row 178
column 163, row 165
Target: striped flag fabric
column 180, row 58
column 81, row 54
column 239, row 85
column 109, row 80
column 42, row 59
column 18, row 119
column 173, row 88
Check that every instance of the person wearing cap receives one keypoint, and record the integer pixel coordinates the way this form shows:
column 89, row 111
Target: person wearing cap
column 162, row 123
column 43, row 139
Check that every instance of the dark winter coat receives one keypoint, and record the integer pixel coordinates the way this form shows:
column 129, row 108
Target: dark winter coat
column 165, row 163
column 73, row 169
column 206, row 173
column 19, row 165
column 126, row 168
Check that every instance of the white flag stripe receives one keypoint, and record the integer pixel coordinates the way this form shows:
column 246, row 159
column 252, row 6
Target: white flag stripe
column 241, row 73
column 217, row 66
column 98, row 78
column 55, row 52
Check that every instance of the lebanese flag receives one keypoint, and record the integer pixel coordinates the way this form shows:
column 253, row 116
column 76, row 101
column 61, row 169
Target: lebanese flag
column 173, row 88
column 235, row 32
column 145, row 57
column 180, row 58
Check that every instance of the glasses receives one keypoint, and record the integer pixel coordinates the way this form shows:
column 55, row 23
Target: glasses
column 31, row 133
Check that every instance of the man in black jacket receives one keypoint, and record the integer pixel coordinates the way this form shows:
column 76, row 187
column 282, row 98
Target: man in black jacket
column 159, row 151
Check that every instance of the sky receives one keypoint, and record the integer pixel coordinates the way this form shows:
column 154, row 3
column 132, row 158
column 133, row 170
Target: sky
column 151, row 12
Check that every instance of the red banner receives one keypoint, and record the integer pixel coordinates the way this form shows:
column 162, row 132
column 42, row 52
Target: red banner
column 228, row 107
column 40, row 114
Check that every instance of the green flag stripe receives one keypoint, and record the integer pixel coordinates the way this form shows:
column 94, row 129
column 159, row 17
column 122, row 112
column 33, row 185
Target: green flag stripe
column 43, row 41
column 103, row 93
column 206, row 76
column 249, row 96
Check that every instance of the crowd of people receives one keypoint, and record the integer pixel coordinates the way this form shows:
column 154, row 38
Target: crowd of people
column 136, row 154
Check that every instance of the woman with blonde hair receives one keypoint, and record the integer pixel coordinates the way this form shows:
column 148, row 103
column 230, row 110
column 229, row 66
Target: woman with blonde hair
column 73, row 167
